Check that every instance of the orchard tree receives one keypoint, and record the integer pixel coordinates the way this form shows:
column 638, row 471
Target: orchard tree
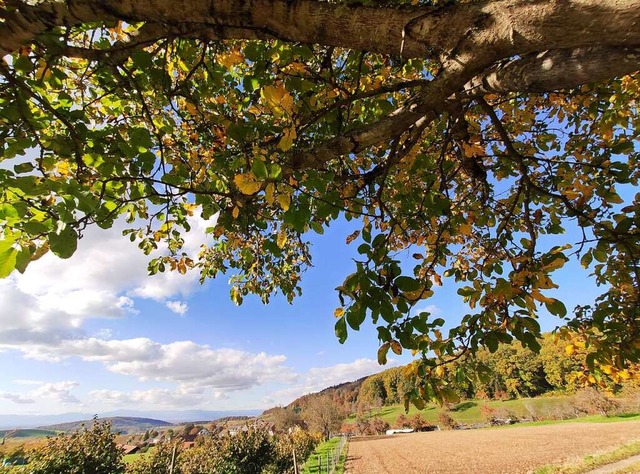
column 486, row 141
column 87, row 450
column 322, row 415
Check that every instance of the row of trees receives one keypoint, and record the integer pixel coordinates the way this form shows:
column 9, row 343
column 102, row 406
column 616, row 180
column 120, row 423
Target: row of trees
column 320, row 414
column 511, row 371
column 248, row 452
column 94, row 450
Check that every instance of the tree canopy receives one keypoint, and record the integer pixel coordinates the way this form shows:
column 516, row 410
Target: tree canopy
column 467, row 137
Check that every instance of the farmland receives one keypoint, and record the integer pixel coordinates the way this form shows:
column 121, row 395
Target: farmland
column 503, row 450
column 470, row 411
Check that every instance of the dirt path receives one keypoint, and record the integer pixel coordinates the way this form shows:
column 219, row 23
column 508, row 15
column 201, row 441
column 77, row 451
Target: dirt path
column 490, row 451
column 618, row 466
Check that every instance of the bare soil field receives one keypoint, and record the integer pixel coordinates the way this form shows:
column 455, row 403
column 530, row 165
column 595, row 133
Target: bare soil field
column 509, row 450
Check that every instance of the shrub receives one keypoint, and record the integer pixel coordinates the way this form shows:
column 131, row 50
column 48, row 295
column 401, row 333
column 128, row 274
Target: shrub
column 487, row 412
column 378, row 426
column 362, row 425
column 402, row 421
column 591, row 401
column 283, row 446
column 91, row 450
column 157, row 461
column 446, row 421
column 349, row 429
column 418, row 423
column 532, row 412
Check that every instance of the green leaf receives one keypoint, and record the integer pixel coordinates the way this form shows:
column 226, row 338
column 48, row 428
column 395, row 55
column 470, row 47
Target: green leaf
column 259, row 168
column 8, row 212
column 382, row 353
column 383, row 333
column 419, row 403
column 64, row 243
column 557, row 308
column 341, row 330
column 492, row 342
column 250, row 84
column 405, row 283
column 8, row 256
column 24, row 168
column 356, row 315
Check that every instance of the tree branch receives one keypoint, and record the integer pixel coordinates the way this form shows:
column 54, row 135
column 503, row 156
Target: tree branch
column 555, row 70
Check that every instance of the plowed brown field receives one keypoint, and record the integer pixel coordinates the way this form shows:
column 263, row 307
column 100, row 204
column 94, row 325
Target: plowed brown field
column 509, row 450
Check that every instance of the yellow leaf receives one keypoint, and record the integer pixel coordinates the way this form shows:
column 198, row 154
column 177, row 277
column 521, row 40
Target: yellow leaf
column 230, row 58
column 43, row 71
column 570, row 349
column 464, row 229
column 473, row 149
column 285, row 201
column 422, row 294
column 247, row 183
column 339, row 312
column 536, row 295
column 190, row 208
column 281, row 239
column 278, row 99
column 268, row 193
column 555, row 264
column 624, row 374
column 287, row 139
column 396, row 347
column 236, row 212
column 440, row 371
column 191, row 108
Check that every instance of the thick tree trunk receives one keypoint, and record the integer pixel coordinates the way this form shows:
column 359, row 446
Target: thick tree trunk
column 483, row 46
column 506, row 27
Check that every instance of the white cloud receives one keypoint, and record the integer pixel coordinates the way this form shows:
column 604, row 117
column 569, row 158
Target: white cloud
column 158, row 397
column 178, row 307
column 319, row 378
column 51, row 301
column 194, row 366
column 54, row 392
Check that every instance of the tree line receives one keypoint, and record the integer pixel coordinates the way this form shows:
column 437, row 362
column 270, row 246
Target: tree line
column 510, row 371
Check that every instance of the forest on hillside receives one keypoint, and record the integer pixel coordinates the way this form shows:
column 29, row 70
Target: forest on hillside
column 511, row 371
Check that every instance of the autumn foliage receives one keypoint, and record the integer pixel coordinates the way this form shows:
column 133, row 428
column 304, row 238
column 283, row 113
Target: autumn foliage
column 479, row 145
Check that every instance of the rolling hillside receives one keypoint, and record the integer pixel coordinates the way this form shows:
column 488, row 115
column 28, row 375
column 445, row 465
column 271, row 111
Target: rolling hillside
column 119, row 424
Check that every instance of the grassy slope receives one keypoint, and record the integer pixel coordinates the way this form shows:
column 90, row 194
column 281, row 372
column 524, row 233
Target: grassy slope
column 594, row 461
column 469, row 412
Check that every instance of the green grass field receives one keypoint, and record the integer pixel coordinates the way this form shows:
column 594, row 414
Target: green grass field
column 469, row 411
column 26, row 433
column 129, row 458
column 311, row 464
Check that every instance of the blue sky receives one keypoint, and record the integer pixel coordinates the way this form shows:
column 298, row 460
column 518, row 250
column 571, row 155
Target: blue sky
column 94, row 333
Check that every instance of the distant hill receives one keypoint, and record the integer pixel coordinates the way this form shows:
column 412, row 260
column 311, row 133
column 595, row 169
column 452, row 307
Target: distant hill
column 344, row 393
column 8, row 422
column 119, row 424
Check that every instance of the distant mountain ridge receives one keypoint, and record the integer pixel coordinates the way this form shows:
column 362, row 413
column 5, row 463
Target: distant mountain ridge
column 119, row 424
column 167, row 416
